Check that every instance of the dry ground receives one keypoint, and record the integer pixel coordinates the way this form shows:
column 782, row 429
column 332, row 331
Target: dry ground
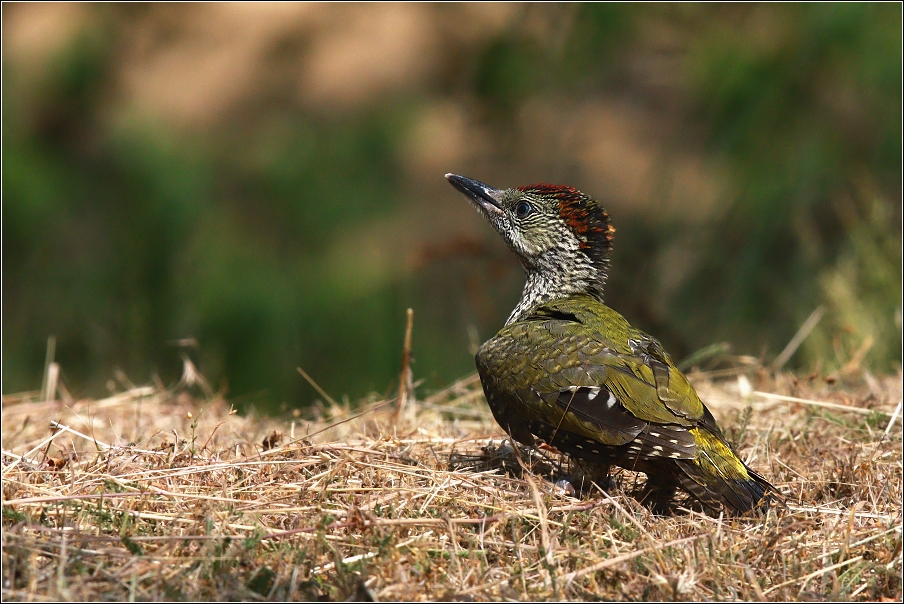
column 153, row 494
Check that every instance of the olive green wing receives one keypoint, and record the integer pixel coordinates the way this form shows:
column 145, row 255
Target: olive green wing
column 637, row 361
column 579, row 366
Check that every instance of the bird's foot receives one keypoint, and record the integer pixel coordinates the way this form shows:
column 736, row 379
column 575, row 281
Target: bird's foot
column 580, row 484
column 563, row 486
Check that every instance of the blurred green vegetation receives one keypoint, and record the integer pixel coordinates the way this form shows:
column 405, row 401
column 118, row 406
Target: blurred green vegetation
column 122, row 237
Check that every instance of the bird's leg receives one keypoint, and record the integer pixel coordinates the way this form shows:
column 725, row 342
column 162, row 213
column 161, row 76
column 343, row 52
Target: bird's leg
column 583, row 477
column 658, row 497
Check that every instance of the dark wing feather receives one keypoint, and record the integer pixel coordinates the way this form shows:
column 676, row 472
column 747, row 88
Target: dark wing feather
column 600, row 407
column 597, row 405
column 668, row 442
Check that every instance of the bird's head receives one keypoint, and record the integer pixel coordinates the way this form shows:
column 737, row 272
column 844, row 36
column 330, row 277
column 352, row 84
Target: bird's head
column 558, row 232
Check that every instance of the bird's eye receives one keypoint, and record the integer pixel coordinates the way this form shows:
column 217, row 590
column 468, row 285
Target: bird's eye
column 523, row 209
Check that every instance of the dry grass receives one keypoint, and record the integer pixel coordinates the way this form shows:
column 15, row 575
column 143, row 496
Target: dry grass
column 156, row 495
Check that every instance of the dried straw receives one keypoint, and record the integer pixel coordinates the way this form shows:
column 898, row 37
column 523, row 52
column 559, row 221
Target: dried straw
column 152, row 495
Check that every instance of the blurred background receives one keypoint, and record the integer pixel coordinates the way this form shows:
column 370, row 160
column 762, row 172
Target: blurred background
column 266, row 181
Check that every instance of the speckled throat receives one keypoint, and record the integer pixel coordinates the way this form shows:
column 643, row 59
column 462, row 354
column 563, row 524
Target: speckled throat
column 542, row 286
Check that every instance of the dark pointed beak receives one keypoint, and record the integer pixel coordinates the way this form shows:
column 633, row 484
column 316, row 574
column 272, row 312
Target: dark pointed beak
column 483, row 195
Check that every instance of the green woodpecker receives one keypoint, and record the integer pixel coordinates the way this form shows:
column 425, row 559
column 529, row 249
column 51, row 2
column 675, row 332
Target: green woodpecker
column 569, row 370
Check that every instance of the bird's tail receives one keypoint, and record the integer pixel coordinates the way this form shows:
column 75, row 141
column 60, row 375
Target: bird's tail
column 718, row 477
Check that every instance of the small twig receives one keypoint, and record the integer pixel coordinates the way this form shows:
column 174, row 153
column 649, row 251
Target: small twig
column 752, row 580
column 475, row 413
column 894, row 529
column 580, row 508
column 460, row 385
column 48, row 362
column 541, row 512
column 798, row 338
column 806, row 401
column 317, row 387
column 853, row 365
column 100, row 444
column 47, row 441
column 392, row 522
column 54, row 430
column 349, row 560
column 31, row 500
column 843, row 551
column 570, row 577
column 806, row 578
column 53, row 376
column 405, row 374
column 894, row 417
column 834, row 512
column 711, row 351
column 214, row 431
column 331, row 426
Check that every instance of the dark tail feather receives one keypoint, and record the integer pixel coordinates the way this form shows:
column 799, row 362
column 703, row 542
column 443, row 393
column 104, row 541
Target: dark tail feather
column 737, row 495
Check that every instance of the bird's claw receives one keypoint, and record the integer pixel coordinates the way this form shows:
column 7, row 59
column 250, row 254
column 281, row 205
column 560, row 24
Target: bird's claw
column 563, row 486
